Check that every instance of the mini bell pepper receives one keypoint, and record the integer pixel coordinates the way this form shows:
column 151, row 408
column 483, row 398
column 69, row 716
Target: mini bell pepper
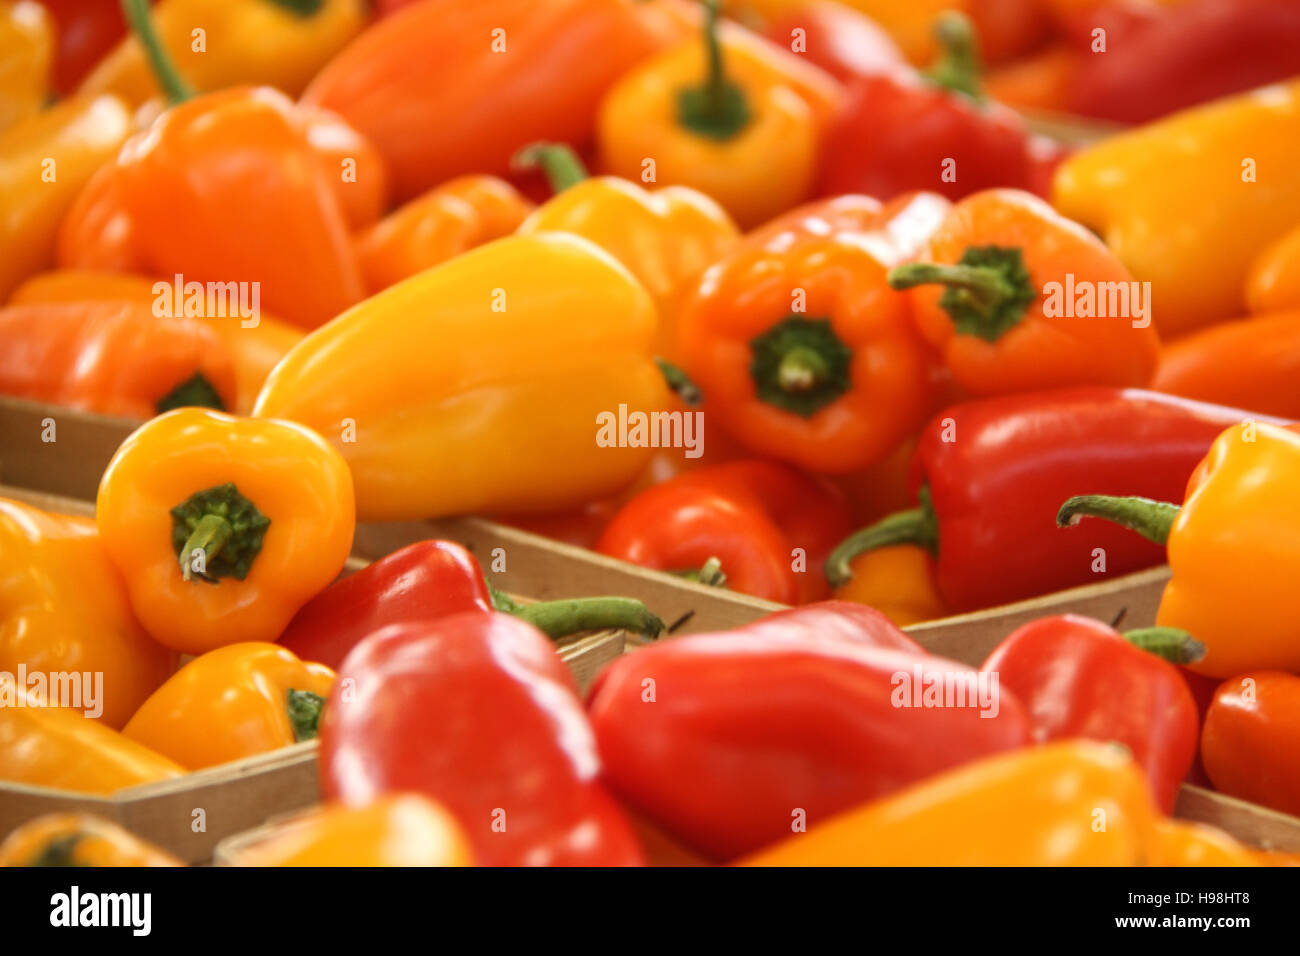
column 79, row 839
column 765, row 526
column 254, row 349
column 26, row 52
column 498, row 76
column 997, row 300
column 84, row 30
column 897, row 581
column 1232, row 581
column 116, row 358
column 279, row 43
column 519, row 771
column 449, row 219
column 1236, row 156
column 1183, row 843
column 223, row 527
column 534, row 341
column 785, row 722
column 989, row 477
column 233, row 702
column 398, row 830
column 1037, row 82
column 665, row 238
column 880, row 146
column 734, row 117
column 1039, row 806
column 1273, row 280
column 45, row 160
column 844, row 42
column 1252, row 363
column 65, row 611
column 1079, row 678
column 58, row 747
column 429, row 580
column 1251, row 740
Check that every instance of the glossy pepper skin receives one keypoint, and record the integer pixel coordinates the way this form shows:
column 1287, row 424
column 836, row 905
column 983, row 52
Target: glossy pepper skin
column 982, row 296
column 1036, row 806
column 751, row 518
column 898, row 581
column 779, row 716
column 79, row 839
column 1251, row 740
column 1273, row 280
column 509, row 353
column 223, row 527
column 66, row 610
column 77, row 135
column 396, row 830
column 233, row 702
column 63, row 749
column 115, row 358
column 538, row 76
column 254, row 349
column 993, row 471
column 1250, row 362
column 26, row 50
column 1230, row 538
column 429, row 580
column 521, row 772
column 842, row 41
column 729, row 114
column 84, row 30
column 1130, row 186
column 449, row 219
column 1079, row 678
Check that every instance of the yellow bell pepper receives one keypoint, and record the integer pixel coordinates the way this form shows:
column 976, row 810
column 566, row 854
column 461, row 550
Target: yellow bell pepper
column 1189, row 202
column 1073, row 803
column 486, row 384
column 26, row 52
column 280, row 43
column 665, row 238
column 44, row 162
column 79, row 839
column 735, row 117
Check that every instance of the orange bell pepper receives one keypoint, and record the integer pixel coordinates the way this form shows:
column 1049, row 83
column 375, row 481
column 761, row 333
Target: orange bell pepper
column 898, row 581
column 735, row 117
column 116, row 358
column 63, row 610
column 26, row 52
column 1250, row 363
column 79, row 839
column 233, row 702
column 404, row 829
column 223, row 527
column 1040, row 81
column 1020, row 300
column 254, row 349
column 447, row 220
column 1182, row 843
column 1273, row 279
column 61, row 748
column 1073, row 803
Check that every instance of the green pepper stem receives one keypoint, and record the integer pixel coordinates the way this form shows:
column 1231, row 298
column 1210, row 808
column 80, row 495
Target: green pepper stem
column 304, row 713
column 1171, row 643
column 195, row 391
column 303, row 8
column 176, row 88
column 558, row 161
column 558, row 618
column 1151, row 519
column 915, row 526
column 679, row 383
column 986, row 293
column 801, row 370
column 984, row 283
column 958, row 65
column 709, row 574
column 210, row 534
column 718, row 108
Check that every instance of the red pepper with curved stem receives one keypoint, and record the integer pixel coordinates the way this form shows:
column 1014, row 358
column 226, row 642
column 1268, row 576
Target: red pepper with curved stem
column 478, row 712
column 427, row 581
column 1079, row 678
column 747, row 517
column 989, row 476
column 729, row 740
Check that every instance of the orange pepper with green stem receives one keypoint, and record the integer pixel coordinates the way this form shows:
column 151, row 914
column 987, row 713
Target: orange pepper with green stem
column 898, row 581
column 79, row 839
column 233, row 702
column 26, row 49
column 223, row 527
column 735, row 117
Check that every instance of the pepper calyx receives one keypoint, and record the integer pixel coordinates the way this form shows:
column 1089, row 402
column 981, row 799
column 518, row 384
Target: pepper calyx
column 225, row 526
column 988, row 291
column 919, row 526
column 304, row 713
column 800, row 365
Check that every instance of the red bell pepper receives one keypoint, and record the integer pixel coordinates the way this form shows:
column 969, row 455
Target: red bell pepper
column 429, row 580
column 990, row 474
column 731, row 741
column 844, row 42
column 1251, row 741
column 746, row 517
column 478, row 712
column 1079, row 678
column 85, row 31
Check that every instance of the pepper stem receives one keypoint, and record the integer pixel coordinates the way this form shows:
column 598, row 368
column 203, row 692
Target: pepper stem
column 176, row 88
column 917, row 525
column 801, row 370
column 558, row 618
column 679, row 383
column 303, row 8
column 717, row 109
column 225, row 525
column 1172, row 643
column 210, row 536
column 987, row 292
column 559, row 162
column 958, row 65
column 304, row 713
column 800, row 365
column 195, row 391
column 1151, row 519
column 710, row 574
